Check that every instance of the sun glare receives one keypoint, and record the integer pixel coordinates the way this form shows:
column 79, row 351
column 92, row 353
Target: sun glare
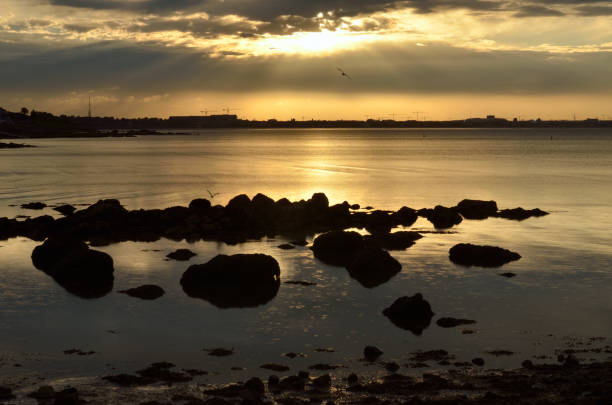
column 314, row 42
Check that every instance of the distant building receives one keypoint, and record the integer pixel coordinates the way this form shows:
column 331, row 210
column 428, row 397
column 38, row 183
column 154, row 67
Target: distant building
column 491, row 117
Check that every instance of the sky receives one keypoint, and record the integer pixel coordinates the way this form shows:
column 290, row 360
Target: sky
column 261, row 59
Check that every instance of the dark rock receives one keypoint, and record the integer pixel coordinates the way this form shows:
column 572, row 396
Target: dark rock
column 371, row 353
column 34, row 206
column 527, row 364
column 442, row 217
column 239, row 281
column 405, row 216
column 65, row 209
column 43, row 393
column 520, row 214
column 372, row 267
column 498, row 353
column 6, row 393
column 286, row 246
column 302, row 283
column 571, row 361
column 323, row 382
column 301, row 242
column 263, row 207
column 379, row 222
column 160, row 372
column 239, row 208
column 68, row 396
column 220, row 352
column 319, row 202
column 410, row 313
column 432, row 355
column 393, row 241
column 337, row 248
column 273, row 381
column 200, row 204
column 477, row 209
column 508, row 275
column 352, row 379
column 81, row 271
column 182, row 255
column 392, row 367
column 478, row 361
column 453, row 322
column 355, row 207
column 466, row 254
column 145, row 292
column 12, row 145
column 274, row 367
column 293, row 382
column 255, row 384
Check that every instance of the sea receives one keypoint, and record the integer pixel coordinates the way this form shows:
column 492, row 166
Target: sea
column 560, row 298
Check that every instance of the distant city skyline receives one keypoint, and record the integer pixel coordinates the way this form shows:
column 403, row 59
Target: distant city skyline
column 269, row 59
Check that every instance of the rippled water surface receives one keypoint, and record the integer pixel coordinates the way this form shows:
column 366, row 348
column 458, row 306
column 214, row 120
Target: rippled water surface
column 562, row 288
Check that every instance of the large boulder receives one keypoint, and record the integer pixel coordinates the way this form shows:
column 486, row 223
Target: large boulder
column 81, row 271
column 520, row 214
column 145, row 292
column 442, row 217
column 239, row 281
column 466, row 254
column 263, row 206
column 109, row 210
column 337, row 248
column 410, row 313
column 318, row 202
column 239, row 208
column 477, row 209
column 372, row 267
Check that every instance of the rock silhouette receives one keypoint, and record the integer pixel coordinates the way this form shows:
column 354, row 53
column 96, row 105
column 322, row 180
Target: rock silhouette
column 466, row 254
column 239, row 281
column 145, row 292
column 477, row 209
column 338, row 248
column 520, row 214
column 410, row 313
column 441, row 217
column 80, row 270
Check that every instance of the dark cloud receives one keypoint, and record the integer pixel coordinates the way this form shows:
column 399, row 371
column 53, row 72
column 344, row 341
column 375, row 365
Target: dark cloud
column 79, row 28
column 385, row 69
column 594, row 11
column 537, row 11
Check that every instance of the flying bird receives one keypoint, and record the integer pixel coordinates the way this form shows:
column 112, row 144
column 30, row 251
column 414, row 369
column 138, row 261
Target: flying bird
column 212, row 195
column 344, row 74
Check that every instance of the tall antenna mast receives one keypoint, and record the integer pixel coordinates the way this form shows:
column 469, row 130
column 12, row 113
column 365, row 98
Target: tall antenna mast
column 89, row 111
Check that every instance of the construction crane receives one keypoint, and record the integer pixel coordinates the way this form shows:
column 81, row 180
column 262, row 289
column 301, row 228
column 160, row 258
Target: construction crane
column 417, row 114
column 227, row 110
column 205, row 112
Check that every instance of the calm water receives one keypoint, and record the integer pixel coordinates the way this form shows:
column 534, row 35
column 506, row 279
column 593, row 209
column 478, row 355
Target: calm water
column 562, row 289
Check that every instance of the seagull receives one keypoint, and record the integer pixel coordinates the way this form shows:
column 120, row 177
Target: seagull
column 212, row 195
column 343, row 73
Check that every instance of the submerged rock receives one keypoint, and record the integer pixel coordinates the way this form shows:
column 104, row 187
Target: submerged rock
column 372, row 353
column 372, row 267
column 72, row 264
column 520, row 214
column 34, row 206
column 239, row 281
column 453, row 322
column 182, row 255
column 477, row 209
column 410, row 313
column 145, row 292
column 393, row 241
column 466, row 254
column 337, row 248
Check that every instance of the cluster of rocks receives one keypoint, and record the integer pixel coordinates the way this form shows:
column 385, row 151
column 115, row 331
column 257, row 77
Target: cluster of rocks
column 107, row 221
column 12, row 145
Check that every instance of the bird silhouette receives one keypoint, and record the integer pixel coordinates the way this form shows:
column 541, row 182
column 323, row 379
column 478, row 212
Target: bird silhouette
column 344, row 74
column 212, row 195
